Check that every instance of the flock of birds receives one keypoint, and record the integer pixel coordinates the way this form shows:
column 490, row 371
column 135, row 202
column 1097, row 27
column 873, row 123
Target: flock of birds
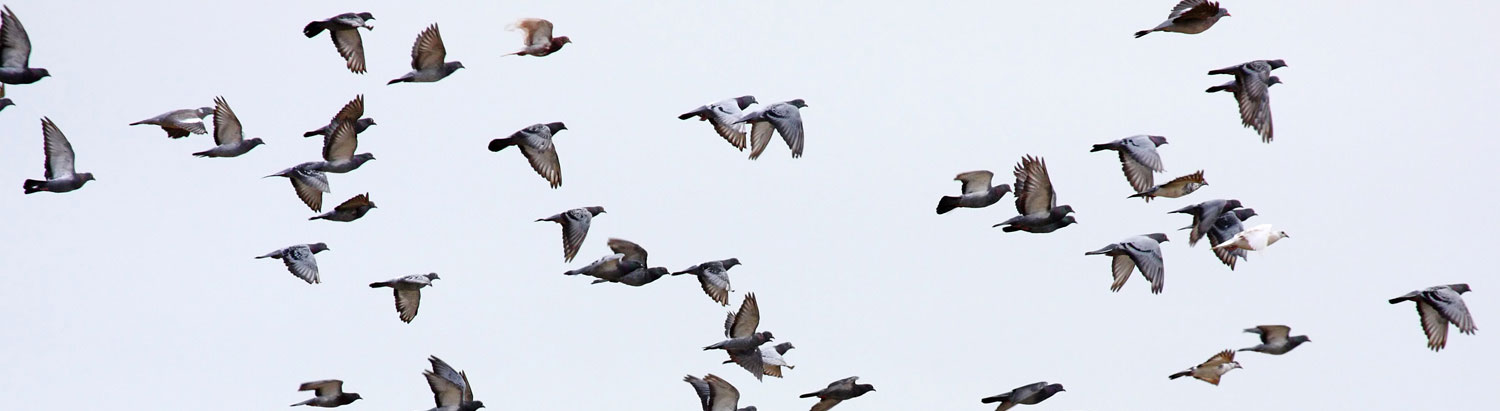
column 1221, row 220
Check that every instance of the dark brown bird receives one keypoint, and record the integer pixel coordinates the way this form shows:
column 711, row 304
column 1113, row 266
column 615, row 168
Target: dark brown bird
column 351, row 209
column 539, row 41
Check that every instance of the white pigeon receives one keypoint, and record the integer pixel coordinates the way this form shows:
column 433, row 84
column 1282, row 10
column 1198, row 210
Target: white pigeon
column 1255, row 239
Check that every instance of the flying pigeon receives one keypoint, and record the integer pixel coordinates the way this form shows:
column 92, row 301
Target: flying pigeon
column 408, row 292
column 715, row 394
column 310, row 184
column 1141, row 252
column 771, row 358
column 535, row 142
column 837, row 392
column 1226, row 227
column 58, row 166
column 352, row 111
column 327, row 394
column 723, row 115
column 641, row 276
column 339, row 147
column 450, row 388
column 427, row 56
column 1030, row 394
column 229, row 136
column 1210, row 371
column 539, row 41
column 1138, row 158
column 1190, row 17
column 784, row 118
column 1275, row 339
column 575, row 227
column 1439, row 306
column 15, row 52
column 299, row 260
column 352, row 209
column 1036, row 200
column 4, row 102
column 1252, row 82
column 627, row 265
column 744, row 342
column 344, row 30
column 714, row 277
column 180, row 123
column 1176, row 188
column 1204, row 215
column 977, row 192
column 1255, row 239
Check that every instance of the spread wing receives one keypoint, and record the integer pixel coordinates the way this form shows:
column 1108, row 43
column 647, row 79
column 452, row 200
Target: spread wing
column 1223, row 357
column 227, row 129
column 1434, row 325
column 538, row 31
column 354, row 203
column 449, row 387
column 788, row 122
column 15, row 45
column 352, row 110
column 340, row 144
column 574, row 231
column 351, row 47
column 760, row 136
column 976, row 181
column 59, row 152
column 543, row 158
column 1139, row 175
column 715, row 282
column 705, row 393
column 1273, row 333
column 407, row 302
column 725, row 396
column 1453, row 309
column 1255, row 102
column 1033, row 187
column 1183, row 7
column 723, row 115
column 825, row 404
column 751, row 361
column 744, row 322
column 310, row 188
column 1147, row 258
column 1195, row 10
column 632, row 251
column 428, row 51
column 323, row 388
column 1121, row 267
column 300, row 261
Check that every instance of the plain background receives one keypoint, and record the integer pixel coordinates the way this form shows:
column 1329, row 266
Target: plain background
column 139, row 291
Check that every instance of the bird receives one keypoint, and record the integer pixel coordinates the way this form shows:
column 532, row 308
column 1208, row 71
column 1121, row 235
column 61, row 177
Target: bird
column 836, row 392
column 408, row 292
column 352, row 209
column 1226, row 227
column 715, row 394
column 450, row 388
column 4, row 102
column 15, row 52
column 744, row 342
column 723, row 115
column 1437, row 306
column 1255, row 239
column 535, row 142
column 427, row 56
column 1138, row 158
column 1204, row 215
column 299, row 260
column 352, row 111
column 641, row 276
column 1178, row 187
column 575, row 227
column 344, row 30
column 327, row 394
column 977, row 192
column 1234, row 86
column 539, row 41
column 771, row 358
column 1251, row 86
column 310, row 184
column 180, row 123
column 784, row 118
column 1030, row 394
column 1190, row 17
column 628, row 258
column 58, row 165
column 1036, row 201
column 1275, row 339
column 1210, row 371
column 339, row 146
column 714, row 277
column 1141, row 252
column 229, row 135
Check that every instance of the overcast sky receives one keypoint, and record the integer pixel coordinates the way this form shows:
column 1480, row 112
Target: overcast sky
column 139, row 291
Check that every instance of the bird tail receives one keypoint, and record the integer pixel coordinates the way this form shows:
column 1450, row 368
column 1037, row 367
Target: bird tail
column 1138, row 34
column 313, row 133
column 1102, row 147
column 140, row 122
column 995, row 399
column 1226, row 70
column 403, row 79
column 686, row 116
column 1145, row 195
column 1100, row 251
column 1216, row 89
column 1397, row 300
column 312, row 29
column 948, row 203
column 380, row 284
column 303, row 403
column 203, row 153
column 501, row 143
column 808, row 395
column 32, row 186
column 1179, row 375
column 1011, row 229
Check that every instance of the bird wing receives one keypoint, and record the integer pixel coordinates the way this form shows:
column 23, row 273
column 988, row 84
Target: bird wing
column 15, row 45
column 574, row 231
column 538, row 31
column 1033, row 187
column 323, row 388
column 760, row 137
column 1139, row 175
column 300, row 261
column 744, row 322
column 1147, row 258
column 227, row 129
column 444, row 392
column 455, row 386
column 1196, row 177
column 354, row 203
column 1199, row 9
column 1223, row 357
column 705, row 393
column 1451, row 305
column 352, row 110
column 339, row 145
column 630, row 250
column 1183, row 7
column 725, row 396
column 975, row 181
column 715, row 282
column 428, row 52
column 310, row 188
column 751, row 361
column 825, row 404
column 788, row 121
column 542, row 155
column 1273, row 334
column 1433, row 324
column 59, row 152
column 1255, row 101
column 407, row 302
column 1120, row 267
column 351, row 47
column 723, row 115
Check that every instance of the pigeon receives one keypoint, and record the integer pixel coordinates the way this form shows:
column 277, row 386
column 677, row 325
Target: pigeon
column 714, row 277
column 1234, row 87
column 1138, row 158
column 539, row 41
column 352, row 209
column 427, row 56
column 1226, row 227
column 1190, row 17
column 535, row 142
column 837, row 392
column 229, row 136
column 723, row 115
column 408, row 292
column 1252, row 82
column 715, row 394
column 977, row 192
column 450, row 388
column 58, row 166
column 4, row 102
column 339, row 147
column 629, row 258
column 1439, row 306
column 1036, row 200
column 299, row 260
column 1204, row 215
column 784, row 117
column 1141, row 252
column 15, row 52
column 744, row 342
column 327, row 394
column 310, row 184
column 180, row 123
column 771, row 358
column 1255, row 239
column 344, row 30
column 575, row 227
column 1176, row 188
column 352, row 111
column 1274, row 339
column 1210, row 371
column 1030, row 394
column 641, row 276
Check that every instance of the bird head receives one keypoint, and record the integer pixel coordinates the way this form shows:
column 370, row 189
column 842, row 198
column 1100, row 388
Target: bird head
column 355, row 396
column 41, row 72
column 318, row 247
column 255, row 142
column 798, row 103
column 595, row 210
column 433, row 276
column 1301, row 339
column 476, row 405
column 1223, row 12
column 765, row 336
column 1232, row 204
column 731, row 262
column 863, row 388
column 1000, row 189
column 558, row 41
column 745, row 101
column 366, row 122
column 1157, row 140
column 86, row 176
column 1235, row 364
column 367, row 17
column 363, row 157
column 1273, row 80
column 1069, row 220
column 556, row 127
column 1159, row 237
column 1056, row 387
column 452, row 66
column 1277, row 63
column 1458, row 288
column 784, row 347
column 1065, row 208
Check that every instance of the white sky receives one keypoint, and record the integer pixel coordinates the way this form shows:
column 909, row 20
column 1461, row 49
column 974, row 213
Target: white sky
column 140, row 292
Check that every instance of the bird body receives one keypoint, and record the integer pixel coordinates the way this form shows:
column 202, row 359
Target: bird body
column 713, row 276
column 977, row 192
column 1176, row 188
column 1275, row 339
column 299, row 260
column 1030, row 394
column 309, row 183
column 58, row 164
column 427, row 56
column 784, row 118
column 1437, row 307
column 1036, row 200
column 1190, row 17
column 1204, row 215
column 1251, row 88
column 538, row 40
column 836, row 392
column 1141, row 252
column 715, row 394
column 575, row 228
column 180, row 123
column 1226, row 227
column 627, row 265
column 327, row 394
column 450, row 388
column 408, row 292
column 723, row 115
column 1210, row 371
column 535, row 142
column 1138, row 159
column 743, row 345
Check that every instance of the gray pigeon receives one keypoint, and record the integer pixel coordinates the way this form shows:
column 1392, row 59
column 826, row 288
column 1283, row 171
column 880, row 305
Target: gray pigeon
column 535, row 142
column 575, row 227
column 1141, row 252
column 310, row 184
column 15, row 52
column 299, row 260
column 977, row 192
column 784, row 118
column 1204, row 215
column 1030, row 394
column 450, row 388
column 1275, row 339
column 229, row 136
column 327, row 394
column 836, row 392
column 1252, row 81
column 714, row 277
column 627, row 266
column 58, row 165
column 1224, row 229
column 1176, row 188
column 344, row 30
column 180, row 123
column 427, row 56
column 1190, row 17
column 744, row 342
column 352, row 209
column 408, row 292
column 1036, row 200
column 715, row 394
column 339, row 147
column 352, row 111
column 723, row 115
column 1138, row 158
column 771, row 357
column 1438, row 306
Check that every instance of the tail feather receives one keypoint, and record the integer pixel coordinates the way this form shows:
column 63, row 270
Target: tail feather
column 312, row 29
column 1216, row 89
column 1011, row 229
column 1102, row 147
column 808, row 395
column 1179, row 375
column 686, row 116
column 1138, row 34
column 380, row 284
column 1397, row 300
column 313, row 133
column 995, row 399
column 139, row 123
column 32, row 186
column 948, row 203
column 201, row 154
column 1145, row 195
column 501, row 143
